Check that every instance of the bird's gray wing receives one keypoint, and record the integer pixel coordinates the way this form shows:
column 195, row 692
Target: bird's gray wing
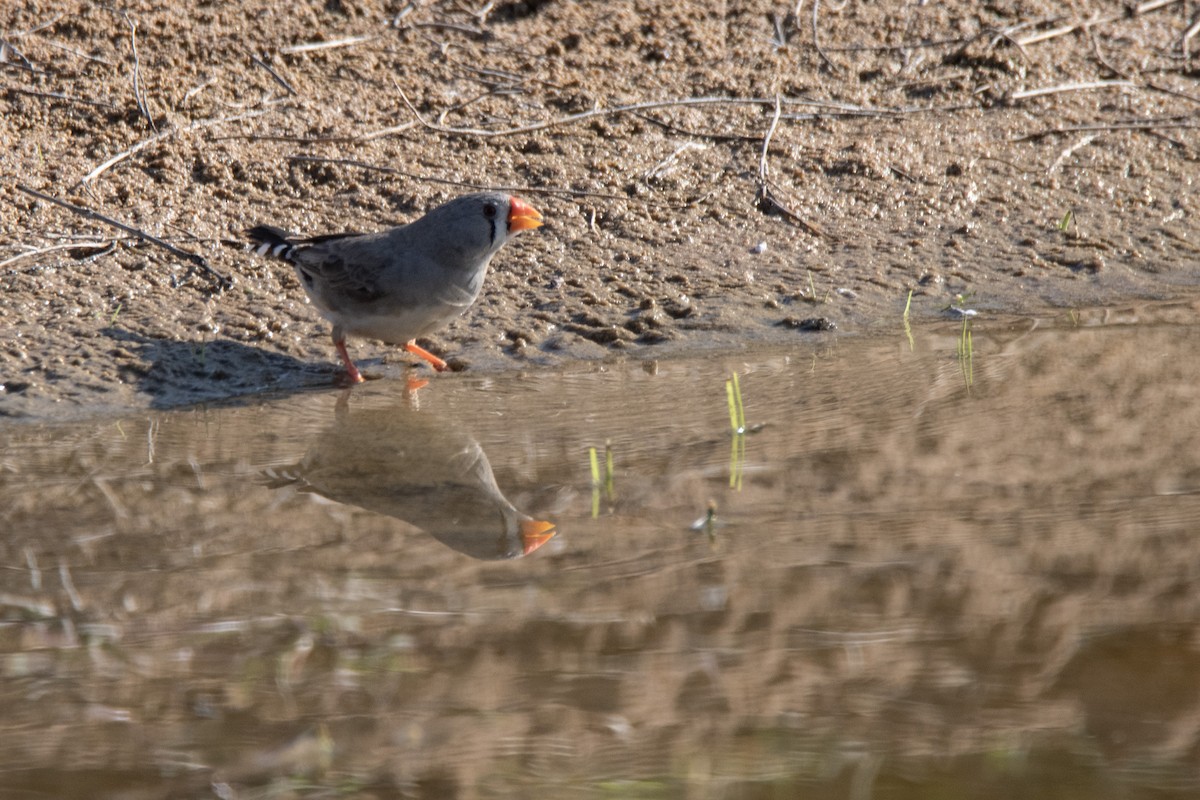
column 349, row 264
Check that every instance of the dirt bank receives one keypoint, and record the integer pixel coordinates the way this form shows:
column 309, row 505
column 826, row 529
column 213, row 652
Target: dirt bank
column 1027, row 154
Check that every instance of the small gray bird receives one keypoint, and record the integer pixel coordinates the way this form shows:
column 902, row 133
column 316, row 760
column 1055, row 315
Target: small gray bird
column 405, row 282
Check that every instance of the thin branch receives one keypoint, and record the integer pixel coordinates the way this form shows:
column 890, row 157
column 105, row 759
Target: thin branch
column 60, row 96
column 477, row 33
column 816, row 11
column 1070, row 151
column 1071, row 87
column 348, row 162
column 139, row 90
column 1104, row 128
column 634, row 108
column 22, row 62
column 161, row 135
column 37, row 251
column 1192, row 30
column 310, row 47
column 763, row 176
column 223, row 281
column 1063, row 30
column 766, row 198
column 273, row 137
column 78, row 53
column 47, row 24
column 720, row 137
column 287, row 87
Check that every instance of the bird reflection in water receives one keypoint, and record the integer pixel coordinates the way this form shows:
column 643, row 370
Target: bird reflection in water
column 419, row 468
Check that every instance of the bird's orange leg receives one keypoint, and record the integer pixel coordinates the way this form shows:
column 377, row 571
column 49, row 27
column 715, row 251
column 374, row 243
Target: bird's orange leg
column 421, row 352
column 352, row 373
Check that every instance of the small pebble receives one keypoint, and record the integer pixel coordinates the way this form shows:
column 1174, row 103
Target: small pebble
column 761, row 247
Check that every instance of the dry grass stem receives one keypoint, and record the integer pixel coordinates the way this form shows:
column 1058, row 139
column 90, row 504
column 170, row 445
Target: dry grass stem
column 1083, row 86
column 160, row 136
column 1070, row 151
column 1146, row 125
column 287, row 87
column 60, row 96
column 139, row 90
column 310, row 47
column 200, row 261
column 550, row 190
column 37, row 251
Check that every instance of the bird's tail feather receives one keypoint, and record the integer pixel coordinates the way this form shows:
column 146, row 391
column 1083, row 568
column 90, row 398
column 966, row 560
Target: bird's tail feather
column 273, row 241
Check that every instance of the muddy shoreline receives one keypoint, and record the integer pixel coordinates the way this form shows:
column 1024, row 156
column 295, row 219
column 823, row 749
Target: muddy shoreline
column 953, row 151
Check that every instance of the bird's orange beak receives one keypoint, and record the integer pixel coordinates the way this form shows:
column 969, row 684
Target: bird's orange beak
column 535, row 532
column 522, row 216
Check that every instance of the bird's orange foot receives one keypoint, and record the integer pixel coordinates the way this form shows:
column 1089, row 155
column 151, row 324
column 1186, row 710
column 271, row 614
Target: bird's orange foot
column 421, row 352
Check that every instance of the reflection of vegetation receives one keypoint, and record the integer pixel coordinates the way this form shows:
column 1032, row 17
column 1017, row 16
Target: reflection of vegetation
column 966, row 353
column 907, row 327
column 597, row 482
column 737, row 421
column 708, row 523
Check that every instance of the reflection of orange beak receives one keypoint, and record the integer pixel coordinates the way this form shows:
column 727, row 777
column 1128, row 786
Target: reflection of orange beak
column 522, row 216
column 535, row 533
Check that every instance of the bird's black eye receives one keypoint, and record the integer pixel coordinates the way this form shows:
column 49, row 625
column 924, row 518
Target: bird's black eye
column 489, row 210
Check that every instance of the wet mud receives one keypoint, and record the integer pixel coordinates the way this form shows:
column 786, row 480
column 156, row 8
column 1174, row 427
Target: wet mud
column 714, row 175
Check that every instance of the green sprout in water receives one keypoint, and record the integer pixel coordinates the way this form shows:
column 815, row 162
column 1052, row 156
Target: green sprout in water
column 737, row 414
column 737, row 422
column 597, row 482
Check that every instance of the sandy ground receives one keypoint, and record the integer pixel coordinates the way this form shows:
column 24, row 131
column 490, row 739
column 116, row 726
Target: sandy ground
column 788, row 174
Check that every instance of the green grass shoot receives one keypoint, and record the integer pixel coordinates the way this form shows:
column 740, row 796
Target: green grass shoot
column 116, row 313
column 737, row 413
column 598, row 481
column 737, row 423
column 966, row 353
column 595, row 463
column 1065, row 222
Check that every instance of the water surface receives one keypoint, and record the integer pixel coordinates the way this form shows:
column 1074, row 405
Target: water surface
column 936, row 576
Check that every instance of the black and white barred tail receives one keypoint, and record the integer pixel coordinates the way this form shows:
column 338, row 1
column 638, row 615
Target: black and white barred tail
column 273, row 241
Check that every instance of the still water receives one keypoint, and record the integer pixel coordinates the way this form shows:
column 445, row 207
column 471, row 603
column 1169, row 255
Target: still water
column 924, row 573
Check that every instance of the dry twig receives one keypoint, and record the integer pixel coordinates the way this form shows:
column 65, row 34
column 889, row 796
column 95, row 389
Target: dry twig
column 766, row 198
column 636, row 108
column 1070, row 151
column 60, row 96
column 200, row 261
column 139, row 90
column 37, row 251
column 287, row 87
column 1146, row 125
column 161, row 135
column 310, row 47
column 349, row 162
column 1070, row 87
column 816, row 12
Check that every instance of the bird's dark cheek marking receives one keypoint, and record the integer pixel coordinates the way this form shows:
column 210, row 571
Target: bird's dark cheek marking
column 308, row 279
column 493, row 221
